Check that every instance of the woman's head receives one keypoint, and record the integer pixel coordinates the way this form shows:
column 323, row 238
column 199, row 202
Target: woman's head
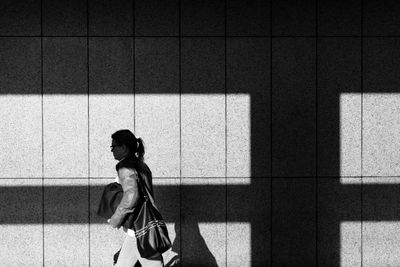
column 124, row 144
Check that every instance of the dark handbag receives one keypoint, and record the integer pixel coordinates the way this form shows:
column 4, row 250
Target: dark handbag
column 150, row 229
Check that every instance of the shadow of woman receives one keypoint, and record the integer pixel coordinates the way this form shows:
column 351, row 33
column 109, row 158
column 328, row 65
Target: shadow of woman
column 195, row 251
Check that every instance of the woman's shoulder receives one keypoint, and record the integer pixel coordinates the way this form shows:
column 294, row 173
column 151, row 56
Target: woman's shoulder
column 134, row 163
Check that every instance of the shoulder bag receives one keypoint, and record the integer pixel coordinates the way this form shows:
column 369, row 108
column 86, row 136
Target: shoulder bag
column 150, row 229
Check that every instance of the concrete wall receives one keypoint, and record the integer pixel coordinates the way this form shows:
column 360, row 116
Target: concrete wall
column 271, row 128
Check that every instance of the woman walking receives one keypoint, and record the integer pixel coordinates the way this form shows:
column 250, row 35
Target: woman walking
column 129, row 151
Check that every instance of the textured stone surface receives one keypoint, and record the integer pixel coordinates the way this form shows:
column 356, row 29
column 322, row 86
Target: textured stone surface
column 339, row 107
column 21, row 127
column 157, row 103
column 111, row 99
column 20, row 18
column 157, row 18
column 248, row 18
column 61, row 18
column 381, row 125
column 65, row 116
column 203, row 116
column 293, row 18
column 381, row 228
column 294, row 221
column 293, row 107
column 108, row 18
column 66, row 222
column 339, row 18
column 203, row 225
column 248, row 228
column 248, row 107
column 205, row 18
column 21, row 242
column 381, row 18
column 339, row 222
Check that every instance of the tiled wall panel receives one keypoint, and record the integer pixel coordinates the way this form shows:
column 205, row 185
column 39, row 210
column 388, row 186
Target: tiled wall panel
column 21, row 228
column 157, row 18
column 202, row 18
column 111, row 99
column 66, row 222
column 107, row 18
column 381, row 107
column 203, row 116
column 20, row 18
column 380, row 18
column 64, row 18
column 339, row 221
column 248, row 107
column 157, row 103
column 380, row 221
column 293, row 107
column 65, row 107
column 339, row 107
column 203, row 240
column 294, row 208
column 251, row 226
column 21, row 108
column 339, row 18
column 293, row 18
column 248, row 18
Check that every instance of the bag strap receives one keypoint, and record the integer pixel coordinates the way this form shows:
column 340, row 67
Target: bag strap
column 145, row 190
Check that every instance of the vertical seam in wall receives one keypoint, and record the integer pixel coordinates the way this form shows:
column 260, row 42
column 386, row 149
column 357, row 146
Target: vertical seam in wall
column 88, row 115
column 271, row 124
column 226, row 138
column 362, row 127
column 316, row 133
column 42, row 102
column 134, row 64
column 180, row 131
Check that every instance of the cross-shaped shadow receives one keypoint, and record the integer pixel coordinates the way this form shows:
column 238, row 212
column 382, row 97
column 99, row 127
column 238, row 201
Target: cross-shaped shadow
column 293, row 219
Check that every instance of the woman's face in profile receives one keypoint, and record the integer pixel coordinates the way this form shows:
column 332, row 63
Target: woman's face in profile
column 119, row 151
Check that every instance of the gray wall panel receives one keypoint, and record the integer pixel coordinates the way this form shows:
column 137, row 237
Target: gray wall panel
column 111, row 99
column 202, row 199
column 203, row 116
column 248, row 18
column 339, row 107
column 294, row 221
column 64, row 18
column 20, row 112
column 202, row 18
column 20, row 18
column 293, row 107
column 293, row 18
column 21, row 205
column 111, row 18
column 68, row 243
column 339, row 18
column 248, row 107
column 157, row 103
column 339, row 222
column 381, row 18
column 65, row 116
column 157, row 18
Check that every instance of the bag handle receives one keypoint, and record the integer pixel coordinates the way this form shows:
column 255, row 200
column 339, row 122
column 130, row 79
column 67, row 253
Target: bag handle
column 144, row 189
